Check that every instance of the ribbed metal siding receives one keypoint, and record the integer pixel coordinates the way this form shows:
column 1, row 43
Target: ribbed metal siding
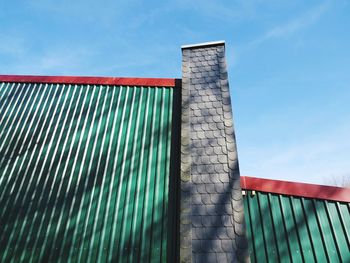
column 84, row 172
column 283, row 228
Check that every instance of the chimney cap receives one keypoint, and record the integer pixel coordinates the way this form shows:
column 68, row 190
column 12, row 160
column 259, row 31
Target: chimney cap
column 212, row 43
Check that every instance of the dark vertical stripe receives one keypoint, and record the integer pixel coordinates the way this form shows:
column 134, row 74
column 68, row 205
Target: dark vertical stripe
column 84, row 172
column 302, row 230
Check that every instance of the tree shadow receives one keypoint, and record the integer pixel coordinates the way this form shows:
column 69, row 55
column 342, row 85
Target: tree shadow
column 52, row 221
column 218, row 227
column 296, row 229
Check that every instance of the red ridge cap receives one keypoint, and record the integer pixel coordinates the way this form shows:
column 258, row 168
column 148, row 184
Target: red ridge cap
column 297, row 189
column 153, row 82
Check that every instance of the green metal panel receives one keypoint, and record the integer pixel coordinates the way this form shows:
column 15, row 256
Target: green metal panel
column 284, row 228
column 84, row 172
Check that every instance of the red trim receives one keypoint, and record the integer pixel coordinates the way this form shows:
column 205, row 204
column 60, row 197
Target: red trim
column 154, row 82
column 297, row 189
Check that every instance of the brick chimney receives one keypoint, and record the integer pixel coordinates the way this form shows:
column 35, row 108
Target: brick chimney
column 212, row 226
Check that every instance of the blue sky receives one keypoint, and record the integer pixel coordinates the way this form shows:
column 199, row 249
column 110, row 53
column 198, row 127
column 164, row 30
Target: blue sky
column 289, row 66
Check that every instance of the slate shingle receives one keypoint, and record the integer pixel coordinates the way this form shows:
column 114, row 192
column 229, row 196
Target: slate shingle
column 216, row 209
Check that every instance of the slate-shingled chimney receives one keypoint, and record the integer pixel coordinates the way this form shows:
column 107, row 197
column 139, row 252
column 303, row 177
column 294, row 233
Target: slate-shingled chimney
column 212, row 227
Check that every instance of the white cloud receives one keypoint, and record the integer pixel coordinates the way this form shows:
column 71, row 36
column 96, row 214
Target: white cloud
column 11, row 45
column 48, row 61
column 315, row 158
column 225, row 11
column 292, row 26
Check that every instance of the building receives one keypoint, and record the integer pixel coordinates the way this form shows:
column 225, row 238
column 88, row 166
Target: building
column 96, row 169
column 296, row 222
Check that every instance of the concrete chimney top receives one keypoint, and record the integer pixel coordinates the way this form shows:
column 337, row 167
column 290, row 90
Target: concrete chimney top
column 204, row 44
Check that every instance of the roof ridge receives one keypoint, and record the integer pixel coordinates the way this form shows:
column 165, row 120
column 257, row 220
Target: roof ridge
column 124, row 81
column 326, row 192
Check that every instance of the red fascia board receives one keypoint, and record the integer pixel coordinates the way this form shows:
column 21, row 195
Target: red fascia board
column 296, row 189
column 151, row 82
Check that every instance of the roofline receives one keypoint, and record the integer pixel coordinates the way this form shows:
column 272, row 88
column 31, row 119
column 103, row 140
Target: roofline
column 296, row 189
column 212, row 43
column 153, row 82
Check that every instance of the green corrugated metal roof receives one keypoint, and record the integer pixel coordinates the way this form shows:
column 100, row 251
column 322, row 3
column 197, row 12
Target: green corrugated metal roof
column 284, row 228
column 84, row 172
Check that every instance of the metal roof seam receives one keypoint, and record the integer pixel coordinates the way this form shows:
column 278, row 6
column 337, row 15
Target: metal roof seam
column 88, row 175
column 307, row 230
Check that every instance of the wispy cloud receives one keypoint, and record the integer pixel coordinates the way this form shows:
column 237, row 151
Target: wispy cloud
column 12, row 46
column 224, row 11
column 292, row 26
column 317, row 158
column 48, row 61
column 84, row 10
